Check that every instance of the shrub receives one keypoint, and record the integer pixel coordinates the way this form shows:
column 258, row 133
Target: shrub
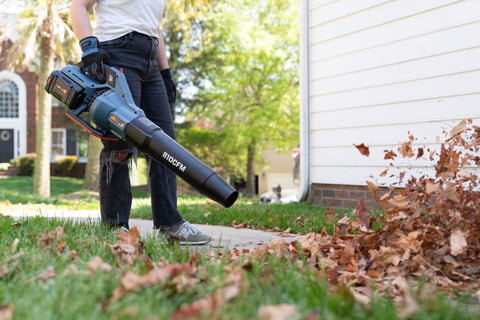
column 66, row 164
column 26, row 164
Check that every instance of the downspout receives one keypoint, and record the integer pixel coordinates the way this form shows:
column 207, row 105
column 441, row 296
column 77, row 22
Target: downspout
column 304, row 101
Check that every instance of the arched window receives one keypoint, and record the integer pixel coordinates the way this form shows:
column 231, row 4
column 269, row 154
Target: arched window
column 9, row 107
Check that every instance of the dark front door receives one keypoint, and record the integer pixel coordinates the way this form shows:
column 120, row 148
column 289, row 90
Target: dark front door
column 6, row 145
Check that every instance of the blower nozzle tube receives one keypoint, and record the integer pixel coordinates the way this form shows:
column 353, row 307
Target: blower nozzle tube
column 152, row 140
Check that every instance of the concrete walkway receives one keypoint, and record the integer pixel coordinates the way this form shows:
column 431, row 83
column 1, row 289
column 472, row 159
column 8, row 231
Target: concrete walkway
column 223, row 238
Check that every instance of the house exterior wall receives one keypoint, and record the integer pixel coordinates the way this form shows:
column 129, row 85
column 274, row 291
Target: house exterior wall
column 382, row 70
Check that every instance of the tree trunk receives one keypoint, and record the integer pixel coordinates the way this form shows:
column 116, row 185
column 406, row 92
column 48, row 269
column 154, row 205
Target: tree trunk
column 41, row 181
column 93, row 164
column 250, row 187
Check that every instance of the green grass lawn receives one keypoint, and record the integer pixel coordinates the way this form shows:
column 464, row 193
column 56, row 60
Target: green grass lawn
column 41, row 281
column 48, row 277
column 297, row 217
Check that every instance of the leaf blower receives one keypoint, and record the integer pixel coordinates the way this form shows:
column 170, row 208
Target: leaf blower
column 112, row 109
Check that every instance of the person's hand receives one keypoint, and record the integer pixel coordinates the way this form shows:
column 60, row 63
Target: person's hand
column 94, row 58
column 171, row 87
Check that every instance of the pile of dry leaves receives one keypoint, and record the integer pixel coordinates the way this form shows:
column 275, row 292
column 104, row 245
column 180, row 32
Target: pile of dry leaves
column 430, row 229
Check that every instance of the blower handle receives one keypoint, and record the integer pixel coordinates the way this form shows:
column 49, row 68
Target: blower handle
column 75, row 117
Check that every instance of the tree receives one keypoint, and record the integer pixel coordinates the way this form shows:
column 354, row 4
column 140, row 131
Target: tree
column 180, row 31
column 250, row 90
column 44, row 37
column 93, row 164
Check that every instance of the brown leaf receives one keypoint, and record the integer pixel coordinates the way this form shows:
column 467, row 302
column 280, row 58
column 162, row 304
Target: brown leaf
column 364, row 150
column 408, row 305
column 458, row 244
column 126, row 253
column 97, row 263
column 420, row 153
column 45, row 275
column 130, row 237
column 74, row 255
column 389, row 155
column 450, row 192
column 363, row 214
column 399, row 201
column 385, row 256
column 202, row 308
column 130, row 281
column 61, row 246
column 6, row 313
column 129, row 248
column 458, row 129
column 46, row 242
column 277, row 312
column 373, row 189
column 432, row 187
column 406, row 150
column 360, row 297
column 233, row 285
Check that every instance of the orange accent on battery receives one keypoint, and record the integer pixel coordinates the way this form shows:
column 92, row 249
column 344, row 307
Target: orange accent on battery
column 88, row 130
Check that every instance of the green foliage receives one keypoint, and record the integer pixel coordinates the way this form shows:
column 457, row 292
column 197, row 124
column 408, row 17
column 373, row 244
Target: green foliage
column 205, row 144
column 66, row 164
column 26, row 164
column 246, row 55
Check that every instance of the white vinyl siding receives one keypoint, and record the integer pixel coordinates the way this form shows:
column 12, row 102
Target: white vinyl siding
column 381, row 70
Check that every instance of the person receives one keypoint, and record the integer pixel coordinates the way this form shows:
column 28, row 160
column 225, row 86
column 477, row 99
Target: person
column 128, row 36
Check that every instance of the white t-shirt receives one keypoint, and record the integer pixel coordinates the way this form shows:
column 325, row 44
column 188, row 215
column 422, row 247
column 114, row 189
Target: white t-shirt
column 115, row 18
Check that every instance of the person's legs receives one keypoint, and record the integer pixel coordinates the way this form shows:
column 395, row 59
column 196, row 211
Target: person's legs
column 136, row 55
column 116, row 156
column 114, row 184
column 163, row 182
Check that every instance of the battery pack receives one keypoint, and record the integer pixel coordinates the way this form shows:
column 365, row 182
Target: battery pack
column 64, row 89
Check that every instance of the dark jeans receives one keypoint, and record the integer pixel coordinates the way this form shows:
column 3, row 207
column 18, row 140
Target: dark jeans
column 136, row 55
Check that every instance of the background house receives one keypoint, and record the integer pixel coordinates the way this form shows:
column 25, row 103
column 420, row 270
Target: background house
column 19, row 111
column 373, row 72
column 279, row 171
